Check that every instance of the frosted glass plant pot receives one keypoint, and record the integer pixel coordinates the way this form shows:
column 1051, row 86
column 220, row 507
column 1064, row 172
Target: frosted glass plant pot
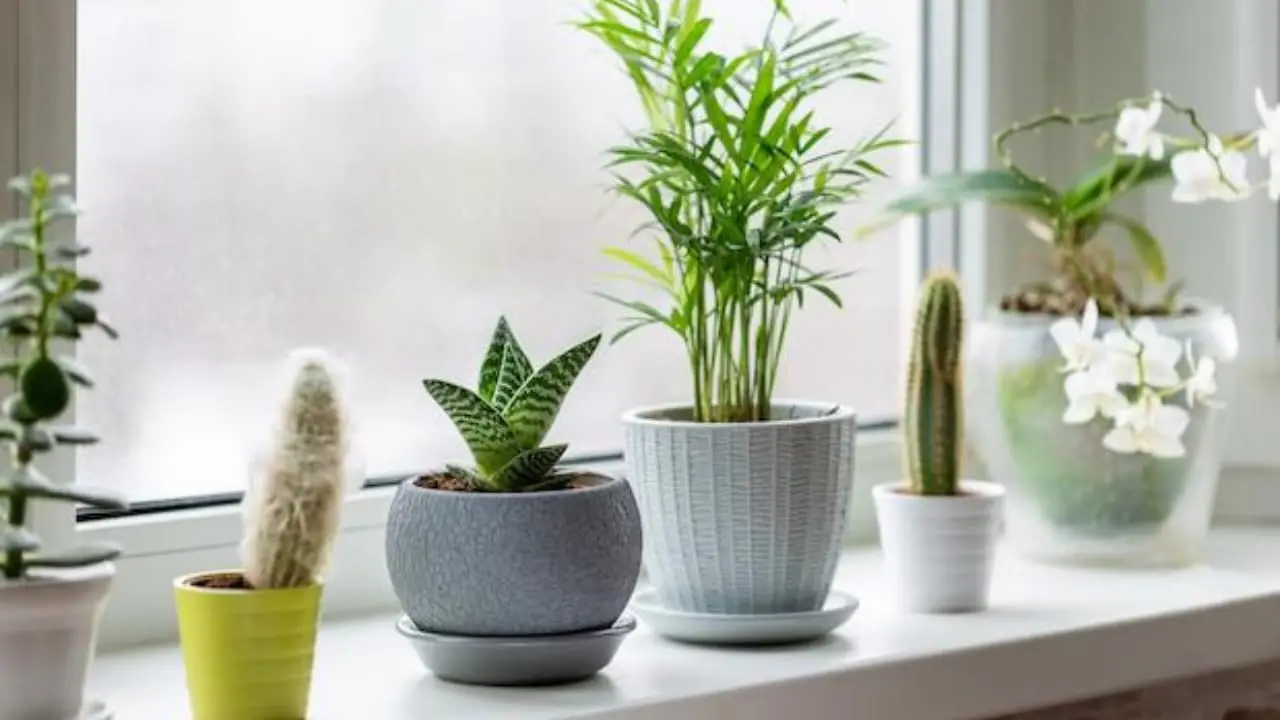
column 938, row 550
column 248, row 654
column 742, row 518
column 1071, row 499
column 506, row 564
column 48, row 630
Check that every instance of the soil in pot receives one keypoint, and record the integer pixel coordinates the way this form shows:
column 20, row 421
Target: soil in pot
column 444, row 481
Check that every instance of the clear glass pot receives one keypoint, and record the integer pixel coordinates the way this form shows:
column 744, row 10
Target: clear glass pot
column 1069, row 498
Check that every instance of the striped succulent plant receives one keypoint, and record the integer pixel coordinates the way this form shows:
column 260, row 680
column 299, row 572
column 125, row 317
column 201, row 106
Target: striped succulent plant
column 506, row 418
column 934, row 409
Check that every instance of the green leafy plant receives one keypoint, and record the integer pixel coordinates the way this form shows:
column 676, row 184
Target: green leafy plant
column 506, row 419
column 738, row 182
column 933, row 419
column 1071, row 218
column 44, row 301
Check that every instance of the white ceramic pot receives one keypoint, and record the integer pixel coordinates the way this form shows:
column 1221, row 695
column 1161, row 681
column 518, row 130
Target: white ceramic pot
column 939, row 550
column 48, row 629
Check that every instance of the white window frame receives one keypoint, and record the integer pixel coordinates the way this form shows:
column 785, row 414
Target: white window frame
column 968, row 94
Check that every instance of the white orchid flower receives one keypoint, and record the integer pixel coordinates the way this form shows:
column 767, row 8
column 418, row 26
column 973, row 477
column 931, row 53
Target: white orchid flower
column 1269, row 140
column 1201, row 385
column 1076, row 338
column 1210, row 173
column 1150, row 427
column 1091, row 393
column 1136, row 130
column 1144, row 358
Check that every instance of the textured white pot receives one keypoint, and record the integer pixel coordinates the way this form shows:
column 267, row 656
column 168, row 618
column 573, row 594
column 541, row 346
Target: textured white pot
column 938, row 550
column 48, row 629
column 742, row 518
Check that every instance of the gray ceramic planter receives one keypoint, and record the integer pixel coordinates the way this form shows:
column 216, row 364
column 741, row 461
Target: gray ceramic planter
column 498, row 564
column 742, row 518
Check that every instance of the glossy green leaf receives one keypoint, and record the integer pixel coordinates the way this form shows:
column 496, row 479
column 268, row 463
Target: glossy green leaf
column 491, row 441
column 72, row 251
column 19, row 539
column 1099, row 187
column 45, row 390
column 535, row 406
column 107, row 329
column 1145, row 245
column 75, row 372
column 79, row 311
column 93, row 497
column 83, row 556
column 529, row 468
column 998, row 187
column 67, row 435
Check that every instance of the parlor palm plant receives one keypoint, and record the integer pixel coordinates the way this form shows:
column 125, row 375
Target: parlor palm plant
column 740, row 180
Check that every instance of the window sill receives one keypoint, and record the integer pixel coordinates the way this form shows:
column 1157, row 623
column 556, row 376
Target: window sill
column 1039, row 645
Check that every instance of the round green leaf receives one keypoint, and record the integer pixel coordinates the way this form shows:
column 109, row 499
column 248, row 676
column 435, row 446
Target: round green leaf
column 45, row 390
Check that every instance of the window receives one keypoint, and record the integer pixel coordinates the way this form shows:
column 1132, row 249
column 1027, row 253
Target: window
column 384, row 179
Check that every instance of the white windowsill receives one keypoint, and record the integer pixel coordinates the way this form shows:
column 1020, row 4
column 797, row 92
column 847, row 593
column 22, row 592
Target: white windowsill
column 1052, row 635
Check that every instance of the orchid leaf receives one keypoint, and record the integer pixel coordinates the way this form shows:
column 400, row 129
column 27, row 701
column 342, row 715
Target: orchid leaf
column 996, row 187
column 1145, row 245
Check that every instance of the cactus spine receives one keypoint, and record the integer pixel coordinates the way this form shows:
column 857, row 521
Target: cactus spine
column 292, row 516
column 934, row 413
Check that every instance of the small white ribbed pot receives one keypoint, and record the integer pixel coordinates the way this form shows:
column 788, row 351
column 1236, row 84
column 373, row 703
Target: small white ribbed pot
column 48, row 629
column 939, row 550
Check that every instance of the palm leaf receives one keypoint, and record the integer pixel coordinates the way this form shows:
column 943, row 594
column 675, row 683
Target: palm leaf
column 535, row 406
column 998, row 187
column 491, row 442
column 529, row 468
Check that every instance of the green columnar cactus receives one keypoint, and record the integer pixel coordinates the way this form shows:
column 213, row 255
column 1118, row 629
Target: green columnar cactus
column 291, row 516
column 42, row 302
column 505, row 420
column 934, row 413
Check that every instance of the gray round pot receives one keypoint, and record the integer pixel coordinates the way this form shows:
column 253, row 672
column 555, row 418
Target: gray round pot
column 742, row 518
column 502, row 564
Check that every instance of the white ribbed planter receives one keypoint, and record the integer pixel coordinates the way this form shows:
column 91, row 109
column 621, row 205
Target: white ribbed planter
column 938, row 550
column 48, row 629
column 742, row 518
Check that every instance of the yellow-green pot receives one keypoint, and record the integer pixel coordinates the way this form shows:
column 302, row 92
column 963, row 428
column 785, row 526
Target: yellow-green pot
column 248, row 653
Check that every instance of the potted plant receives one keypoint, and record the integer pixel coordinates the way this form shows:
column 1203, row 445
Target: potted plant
column 483, row 558
column 50, row 601
column 248, row 635
column 938, row 532
column 1090, row 401
column 743, row 497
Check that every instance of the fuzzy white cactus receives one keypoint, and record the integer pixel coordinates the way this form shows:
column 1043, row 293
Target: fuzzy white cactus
column 293, row 509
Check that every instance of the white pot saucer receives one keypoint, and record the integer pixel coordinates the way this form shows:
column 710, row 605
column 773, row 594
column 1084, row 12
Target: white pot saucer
column 96, row 710
column 715, row 629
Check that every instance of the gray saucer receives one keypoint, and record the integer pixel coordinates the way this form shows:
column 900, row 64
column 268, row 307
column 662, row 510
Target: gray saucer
column 713, row 629
column 524, row 660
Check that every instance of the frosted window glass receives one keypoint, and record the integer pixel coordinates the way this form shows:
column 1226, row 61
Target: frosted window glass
column 384, row 178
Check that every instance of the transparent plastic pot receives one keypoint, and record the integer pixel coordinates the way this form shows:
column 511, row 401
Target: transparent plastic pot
column 1070, row 499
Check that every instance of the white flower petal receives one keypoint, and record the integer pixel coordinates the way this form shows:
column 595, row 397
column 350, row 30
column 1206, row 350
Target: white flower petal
column 1079, row 412
column 1163, row 446
column 1159, row 375
column 1155, row 147
column 1171, row 420
column 1122, row 440
column 1089, row 319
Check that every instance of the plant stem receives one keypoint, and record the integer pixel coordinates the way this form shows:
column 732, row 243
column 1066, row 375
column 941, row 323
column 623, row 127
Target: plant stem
column 14, row 563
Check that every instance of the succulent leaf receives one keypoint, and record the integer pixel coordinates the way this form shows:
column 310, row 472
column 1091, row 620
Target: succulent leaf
column 45, row 390
column 491, row 441
column 535, row 405
column 491, row 367
column 516, row 370
column 529, row 468
column 934, row 414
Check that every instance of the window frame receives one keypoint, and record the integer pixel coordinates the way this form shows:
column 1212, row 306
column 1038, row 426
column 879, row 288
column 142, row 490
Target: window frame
column 37, row 60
